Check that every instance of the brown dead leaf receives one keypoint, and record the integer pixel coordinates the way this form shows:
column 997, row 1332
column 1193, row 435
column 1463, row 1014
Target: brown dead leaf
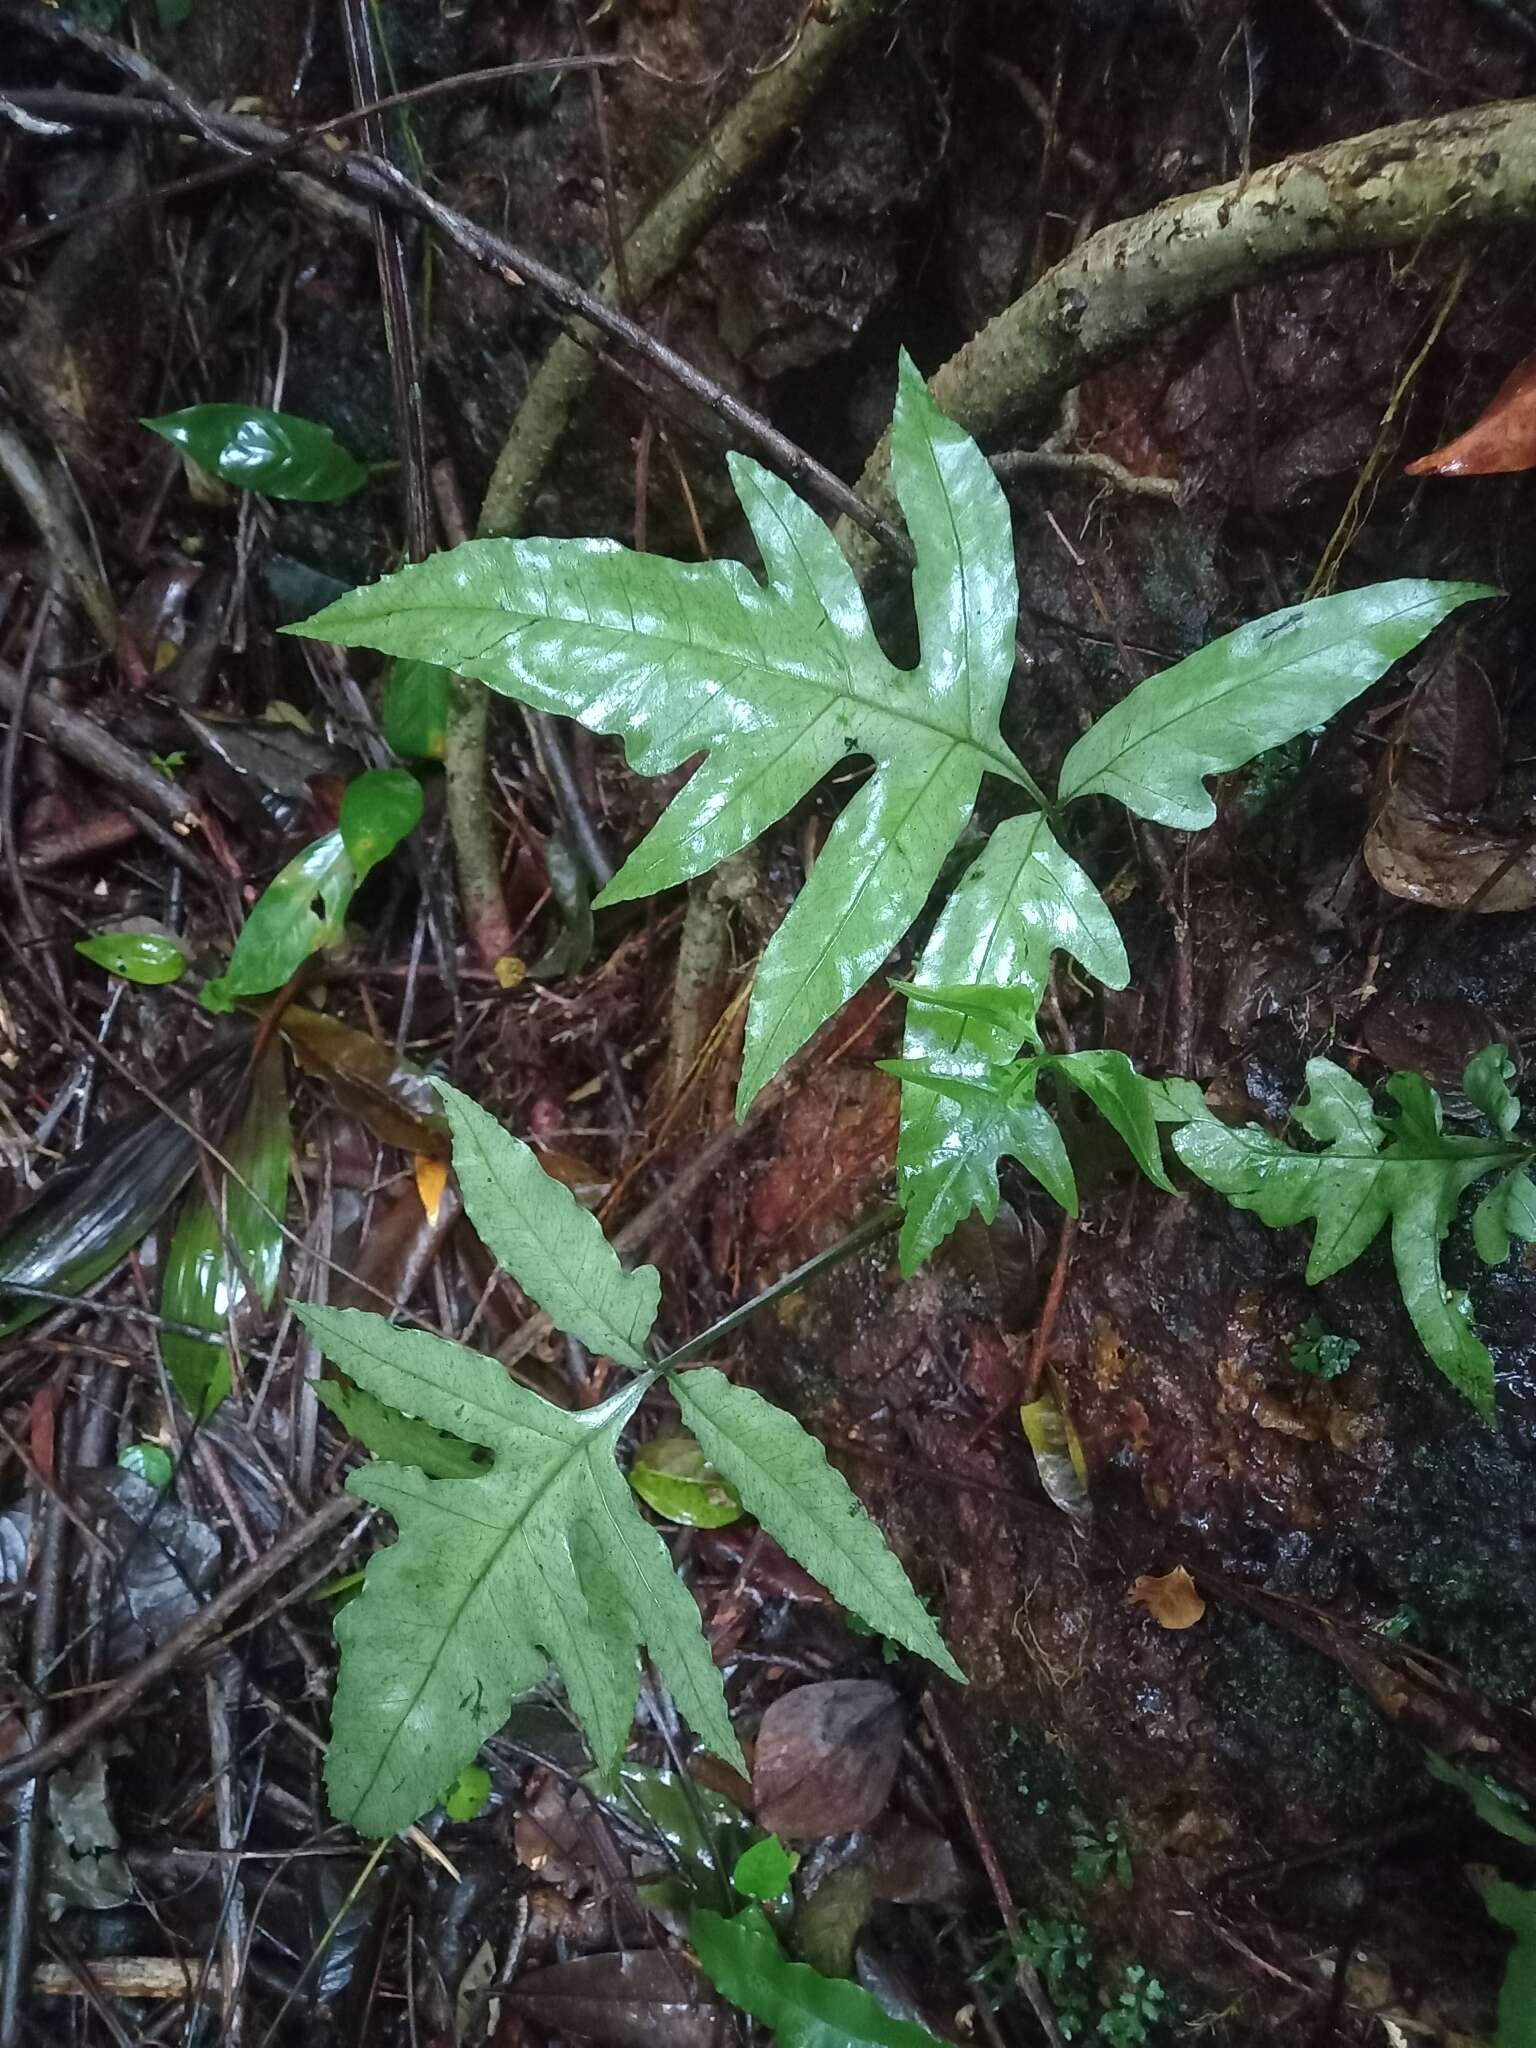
column 1449, row 748
column 1173, row 1601
column 1500, row 439
column 826, row 1758
column 1416, row 854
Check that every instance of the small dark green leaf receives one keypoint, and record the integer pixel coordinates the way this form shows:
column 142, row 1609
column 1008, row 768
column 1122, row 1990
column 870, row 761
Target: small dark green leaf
column 413, row 709
column 220, row 1267
column 469, row 1794
column 377, row 812
column 765, row 1870
column 299, row 911
column 399, row 1439
column 1123, row 1098
column 670, row 1476
column 700, row 1830
column 571, row 948
column 147, row 1462
column 1503, row 1811
column 261, row 450
column 98, row 1206
column 742, row 1959
column 143, row 957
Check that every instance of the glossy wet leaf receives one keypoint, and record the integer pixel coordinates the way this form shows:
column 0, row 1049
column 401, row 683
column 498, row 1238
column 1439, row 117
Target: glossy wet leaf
column 1172, row 1599
column 369, row 1080
column 743, row 1960
column 1057, row 1450
column 1251, row 690
column 1514, row 1907
column 226, row 1255
column 671, row 1477
column 777, row 682
column 992, row 1109
column 826, row 1757
column 398, row 1439
column 782, row 1475
column 539, row 1233
column 143, row 957
column 544, row 1558
column 377, row 811
column 701, row 1832
column 1372, row 1169
column 97, row 1206
column 413, row 709
column 765, row 1870
column 260, row 450
column 300, row 910
column 640, row 1998
column 1021, row 901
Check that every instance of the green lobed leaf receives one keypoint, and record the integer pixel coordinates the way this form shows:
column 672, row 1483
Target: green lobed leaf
column 783, row 1478
column 995, row 1111
column 1251, row 690
column 261, row 450
column 539, row 1233
column 1514, row 1907
column 544, row 1558
column 1373, row 1169
column 398, row 1439
column 1486, row 1086
column 671, row 1477
column 378, row 810
column 1021, row 900
column 148, row 958
column 1507, row 1210
column 285, row 925
column 224, row 1260
column 742, row 1959
column 776, row 682
column 413, row 709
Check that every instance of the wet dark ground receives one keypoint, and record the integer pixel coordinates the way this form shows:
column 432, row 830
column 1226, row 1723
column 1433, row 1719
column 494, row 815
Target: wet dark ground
column 1235, row 1807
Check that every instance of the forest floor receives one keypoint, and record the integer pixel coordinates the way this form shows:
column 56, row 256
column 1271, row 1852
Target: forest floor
column 1206, row 1821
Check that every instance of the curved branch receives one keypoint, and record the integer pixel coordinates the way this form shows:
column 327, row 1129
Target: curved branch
column 664, row 239
column 1130, row 280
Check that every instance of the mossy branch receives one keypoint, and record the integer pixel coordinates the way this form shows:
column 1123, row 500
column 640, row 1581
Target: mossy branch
column 1131, row 280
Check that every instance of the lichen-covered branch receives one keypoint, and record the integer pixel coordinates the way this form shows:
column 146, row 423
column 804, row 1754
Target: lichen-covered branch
column 666, row 237
column 1129, row 281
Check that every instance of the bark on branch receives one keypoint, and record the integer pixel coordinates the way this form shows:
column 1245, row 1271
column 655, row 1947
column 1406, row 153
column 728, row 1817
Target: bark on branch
column 1129, row 281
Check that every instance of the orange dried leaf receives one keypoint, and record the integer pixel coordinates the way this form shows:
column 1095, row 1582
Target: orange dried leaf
column 1173, row 1601
column 1502, row 438
column 431, row 1179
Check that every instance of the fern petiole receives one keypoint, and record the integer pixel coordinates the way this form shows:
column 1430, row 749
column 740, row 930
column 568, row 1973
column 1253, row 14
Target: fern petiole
column 881, row 1224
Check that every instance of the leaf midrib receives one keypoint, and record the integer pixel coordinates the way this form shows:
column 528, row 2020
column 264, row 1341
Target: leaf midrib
column 577, row 1447
column 1243, row 682
column 839, row 690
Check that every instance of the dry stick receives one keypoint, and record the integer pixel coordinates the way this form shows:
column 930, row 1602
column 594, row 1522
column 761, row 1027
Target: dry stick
column 205, row 1625
column 666, row 237
column 56, row 529
column 514, row 265
column 1027, row 1975
column 77, row 735
column 1130, row 281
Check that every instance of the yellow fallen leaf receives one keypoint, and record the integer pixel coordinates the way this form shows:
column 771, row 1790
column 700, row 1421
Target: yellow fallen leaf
column 1058, row 1453
column 509, row 971
column 431, row 1179
column 1173, row 1601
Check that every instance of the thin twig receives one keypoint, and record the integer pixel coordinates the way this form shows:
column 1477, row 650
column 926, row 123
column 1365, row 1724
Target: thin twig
column 42, row 1758
column 1027, row 1976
